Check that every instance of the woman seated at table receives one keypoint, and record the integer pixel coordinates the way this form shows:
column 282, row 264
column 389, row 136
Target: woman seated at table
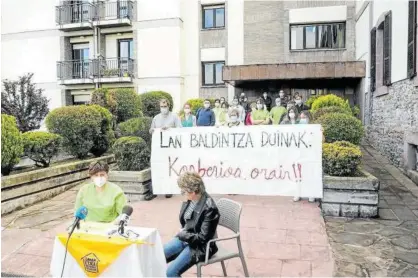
column 199, row 217
column 104, row 200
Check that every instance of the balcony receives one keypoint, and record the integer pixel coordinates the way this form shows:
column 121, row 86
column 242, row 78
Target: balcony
column 72, row 17
column 82, row 16
column 114, row 70
column 114, row 13
column 102, row 70
column 75, row 72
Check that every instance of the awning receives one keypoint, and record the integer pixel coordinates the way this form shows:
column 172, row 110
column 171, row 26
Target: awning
column 316, row 70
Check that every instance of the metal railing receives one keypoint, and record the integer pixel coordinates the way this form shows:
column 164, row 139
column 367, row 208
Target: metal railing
column 75, row 13
column 114, row 67
column 74, row 69
column 97, row 68
column 68, row 13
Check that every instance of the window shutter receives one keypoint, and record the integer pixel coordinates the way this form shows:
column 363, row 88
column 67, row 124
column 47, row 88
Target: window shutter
column 373, row 60
column 387, row 49
column 412, row 38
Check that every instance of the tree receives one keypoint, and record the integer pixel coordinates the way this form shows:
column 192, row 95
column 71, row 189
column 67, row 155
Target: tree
column 25, row 102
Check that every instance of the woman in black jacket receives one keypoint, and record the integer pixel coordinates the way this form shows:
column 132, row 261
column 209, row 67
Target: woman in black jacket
column 199, row 218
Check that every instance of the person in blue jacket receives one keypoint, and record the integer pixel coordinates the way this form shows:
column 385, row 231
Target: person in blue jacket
column 205, row 116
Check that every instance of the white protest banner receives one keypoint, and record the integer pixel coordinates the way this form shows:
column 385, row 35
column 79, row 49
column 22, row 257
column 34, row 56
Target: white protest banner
column 281, row 160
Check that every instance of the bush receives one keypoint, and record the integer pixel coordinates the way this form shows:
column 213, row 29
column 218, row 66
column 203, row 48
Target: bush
column 356, row 111
column 123, row 103
column 341, row 158
column 138, row 127
column 41, row 146
column 341, row 127
column 151, row 102
column 106, row 137
column 11, row 144
column 330, row 109
column 330, row 100
column 311, row 100
column 196, row 103
column 78, row 125
column 132, row 153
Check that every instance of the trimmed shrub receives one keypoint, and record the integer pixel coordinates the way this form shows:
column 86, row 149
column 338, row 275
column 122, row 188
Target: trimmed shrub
column 123, row 103
column 341, row 127
column 356, row 111
column 104, row 140
column 196, row 103
column 131, row 153
column 78, row 125
column 330, row 109
column 151, row 102
column 341, row 158
column 330, row 100
column 41, row 146
column 138, row 127
column 11, row 144
column 310, row 100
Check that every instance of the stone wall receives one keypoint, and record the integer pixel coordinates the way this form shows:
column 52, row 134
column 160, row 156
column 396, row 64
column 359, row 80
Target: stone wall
column 392, row 116
column 135, row 184
column 21, row 190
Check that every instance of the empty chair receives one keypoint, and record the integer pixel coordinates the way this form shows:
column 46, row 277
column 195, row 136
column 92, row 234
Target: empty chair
column 230, row 218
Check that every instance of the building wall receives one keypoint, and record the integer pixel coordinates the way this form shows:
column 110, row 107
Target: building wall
column 389, row 117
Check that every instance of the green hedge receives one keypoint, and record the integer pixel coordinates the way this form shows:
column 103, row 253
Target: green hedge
column 329, row 109
column 131, row 154
column 311, row 100
column 151, row 102
column 123, row 103
column 11, row 144
column 78, row 125
column 104, row 140
column 330, row 100
column 341, row 127
column 41, row 146
column 138, row 127
column 340, row 158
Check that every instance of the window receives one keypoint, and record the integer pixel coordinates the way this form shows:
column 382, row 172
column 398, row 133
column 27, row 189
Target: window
column 387, row 49
column 317, row 36
column 212, row 73
column 213, row 17
column 412, row 39
column 125, row 54
column 373, row 59
column 80, row 61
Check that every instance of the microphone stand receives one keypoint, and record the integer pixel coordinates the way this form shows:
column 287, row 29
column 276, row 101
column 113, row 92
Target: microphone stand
column 75, row 225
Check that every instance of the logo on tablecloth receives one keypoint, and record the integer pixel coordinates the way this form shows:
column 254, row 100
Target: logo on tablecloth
column 91, row 263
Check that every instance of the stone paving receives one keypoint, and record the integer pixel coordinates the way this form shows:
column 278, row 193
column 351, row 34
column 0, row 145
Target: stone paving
column 385, row 247
column 279, row 237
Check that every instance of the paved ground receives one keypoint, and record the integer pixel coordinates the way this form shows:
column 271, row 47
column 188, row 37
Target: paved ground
column 280, row 237
column 385, row 247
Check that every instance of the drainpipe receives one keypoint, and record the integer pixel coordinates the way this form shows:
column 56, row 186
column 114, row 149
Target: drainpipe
column 96, row 56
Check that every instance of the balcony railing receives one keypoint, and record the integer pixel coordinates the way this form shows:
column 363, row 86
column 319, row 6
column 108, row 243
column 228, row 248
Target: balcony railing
column 88, row 12
column 97, row 68
column 75, row 13
column 74, row 69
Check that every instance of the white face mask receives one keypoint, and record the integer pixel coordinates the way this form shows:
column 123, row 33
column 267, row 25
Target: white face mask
column 292, row 115
column 207, row 105
column 216, row 104
column 265, row 95
column 281, row 94
column 235, row 103
column 278, row 103
column 259, row 106
column 298, row 101
column 164, row 110
column 99, row 181
column 234, row 119
column 187, row 110
column 303, row 121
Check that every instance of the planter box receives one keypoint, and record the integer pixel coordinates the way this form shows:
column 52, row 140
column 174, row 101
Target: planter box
column 135, row 184
column 21, row 190
column 353, row 197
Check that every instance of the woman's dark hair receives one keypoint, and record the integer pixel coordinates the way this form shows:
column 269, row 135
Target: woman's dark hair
column 260, row 100
column 217, row 100
column 97, row 167
column 224, row 105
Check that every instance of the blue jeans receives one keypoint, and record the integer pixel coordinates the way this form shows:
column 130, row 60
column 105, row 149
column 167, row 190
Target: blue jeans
column 178, row 253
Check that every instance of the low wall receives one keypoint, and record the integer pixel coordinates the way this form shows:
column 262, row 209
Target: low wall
column 135, row 184
column 351, row 197
column 21, row 190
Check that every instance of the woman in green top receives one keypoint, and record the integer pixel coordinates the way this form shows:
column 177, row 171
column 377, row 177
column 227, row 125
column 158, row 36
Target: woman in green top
column 223, row 118
column 260, row 116
column 188, row 120
column 104, row 200
column 277, row 112
column 217, row 110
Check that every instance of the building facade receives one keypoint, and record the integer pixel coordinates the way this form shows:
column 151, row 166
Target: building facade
column 389, row 93
column 207, row 48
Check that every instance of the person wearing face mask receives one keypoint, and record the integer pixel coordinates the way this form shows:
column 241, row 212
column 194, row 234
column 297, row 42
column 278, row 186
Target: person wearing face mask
column 277, row 112
column 205, row 115
column 260, row 116
column 243, row 101
column 187, row 119
column 299, row 104
column 253, row 108
column 217, row 109
column 235, row 105
column 222, row 100
column 104, row 200
column 223, row 115
column 234, row 119
column 267, row 101
column 291, row 117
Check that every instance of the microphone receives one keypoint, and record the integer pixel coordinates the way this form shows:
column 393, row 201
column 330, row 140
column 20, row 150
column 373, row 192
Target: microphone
column 80, row 214
column 126, row 214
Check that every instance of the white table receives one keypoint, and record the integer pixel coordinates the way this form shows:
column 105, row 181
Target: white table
column 136, row 260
